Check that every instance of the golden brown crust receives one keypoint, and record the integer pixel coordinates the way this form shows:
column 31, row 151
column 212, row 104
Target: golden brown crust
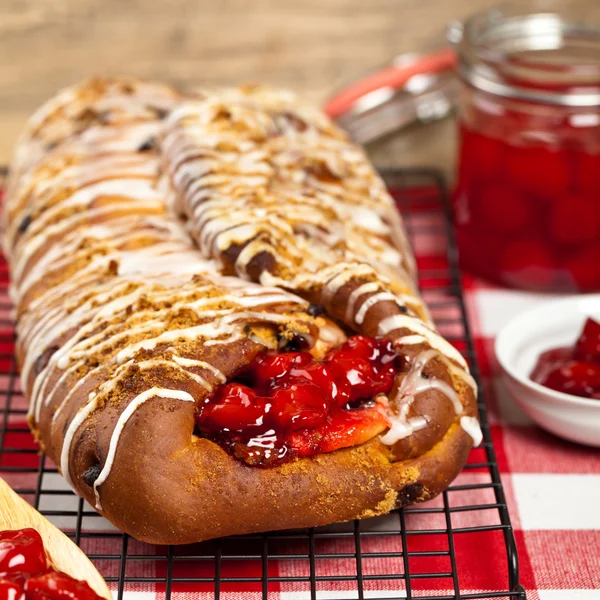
column 188, row 489
column 124, row 325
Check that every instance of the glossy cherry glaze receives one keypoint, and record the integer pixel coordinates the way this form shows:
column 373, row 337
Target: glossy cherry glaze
column 527, row 203
column 26, row 575
column 573, row 370
column 292, row 405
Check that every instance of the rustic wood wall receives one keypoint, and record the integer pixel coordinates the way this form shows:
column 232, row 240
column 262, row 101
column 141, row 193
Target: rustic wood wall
column 309, row 45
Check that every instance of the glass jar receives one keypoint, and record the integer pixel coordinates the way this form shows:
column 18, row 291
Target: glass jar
column 527, row 202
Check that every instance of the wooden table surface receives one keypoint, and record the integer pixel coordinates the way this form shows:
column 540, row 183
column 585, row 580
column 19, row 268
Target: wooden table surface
column 312, row 46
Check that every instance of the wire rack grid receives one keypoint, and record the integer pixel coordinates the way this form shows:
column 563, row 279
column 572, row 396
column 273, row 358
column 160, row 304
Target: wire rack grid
column 424, row 551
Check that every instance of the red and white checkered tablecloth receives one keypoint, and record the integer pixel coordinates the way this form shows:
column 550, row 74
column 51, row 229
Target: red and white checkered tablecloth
column 552, row 485
column 552, row 488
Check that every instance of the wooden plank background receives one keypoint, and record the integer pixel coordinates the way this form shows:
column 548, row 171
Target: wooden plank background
column 310, row 45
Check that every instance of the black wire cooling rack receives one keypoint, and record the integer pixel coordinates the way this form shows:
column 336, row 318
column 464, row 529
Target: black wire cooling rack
column 417, row 552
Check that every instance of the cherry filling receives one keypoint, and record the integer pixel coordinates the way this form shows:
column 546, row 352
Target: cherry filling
column 526, row 205
column 26, row 575
column 292, row 405
column 573, row 370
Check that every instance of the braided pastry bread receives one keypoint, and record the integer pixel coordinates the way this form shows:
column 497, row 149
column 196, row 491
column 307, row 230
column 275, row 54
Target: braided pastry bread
column 218, row 326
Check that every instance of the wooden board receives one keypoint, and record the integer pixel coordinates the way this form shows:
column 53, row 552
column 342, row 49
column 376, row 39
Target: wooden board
column 64, row 555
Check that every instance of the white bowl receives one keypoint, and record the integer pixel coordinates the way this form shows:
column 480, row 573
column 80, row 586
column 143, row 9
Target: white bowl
column 551, row 324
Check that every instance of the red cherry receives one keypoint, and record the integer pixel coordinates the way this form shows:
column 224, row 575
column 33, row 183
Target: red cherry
column 301, row 406
column 575, row 219
column 377, row 351
column 366, row 364
column 479, row 251
column 461, row 204
column 363, row 346
column 269, row 368
column 539, row 171
column 58, row 586
column 578, row 378
column 22, row 551
column 583, row 268
column 333, row 389
column 9, row 590
column 237, row 408
column 550, row 360
column 482, row 158
column 503, row 209
column 587, row 347
column 360, row 347
column 588, row 173
column 358, row 373
column 528, row 264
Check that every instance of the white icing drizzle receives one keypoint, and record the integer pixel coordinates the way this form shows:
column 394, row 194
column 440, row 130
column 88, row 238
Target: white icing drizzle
column 370, row 302
column 154, row 392
column 401, row 426
column 412, row 384
column 172, row 364
column 221, row 327
column 337, row 211
column 339, row 280
column 365, row 288
column 188, row 362
column 411, row 340
column 416, row 326
column 472, row 427
column 459, row 373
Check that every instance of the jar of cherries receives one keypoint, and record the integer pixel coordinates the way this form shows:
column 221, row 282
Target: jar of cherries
column 527, row 201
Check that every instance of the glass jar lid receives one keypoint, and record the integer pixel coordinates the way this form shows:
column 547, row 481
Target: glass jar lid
column 544, row 51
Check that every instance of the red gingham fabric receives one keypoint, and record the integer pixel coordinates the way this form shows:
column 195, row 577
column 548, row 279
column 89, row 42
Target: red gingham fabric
column 552, row 485
column 552, row 488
